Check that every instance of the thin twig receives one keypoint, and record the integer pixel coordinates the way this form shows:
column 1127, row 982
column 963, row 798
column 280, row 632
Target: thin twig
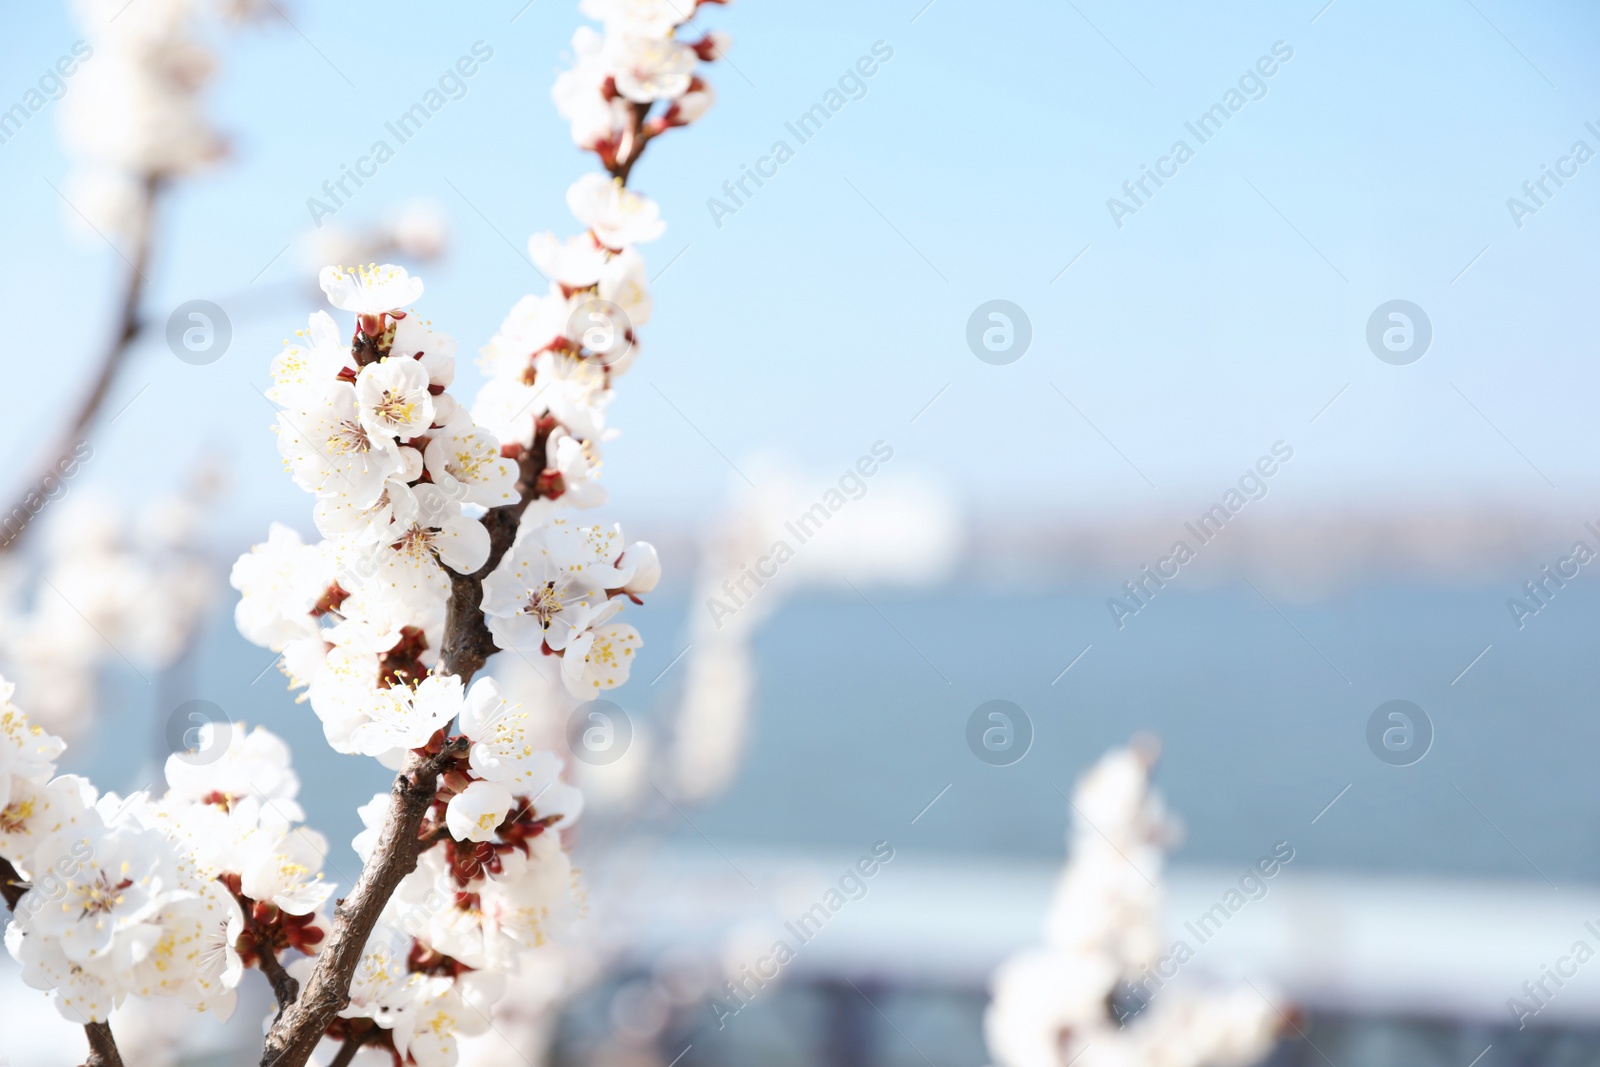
column 284, row 986
column 348, row 1050
column 129, row 325
column 634, row 139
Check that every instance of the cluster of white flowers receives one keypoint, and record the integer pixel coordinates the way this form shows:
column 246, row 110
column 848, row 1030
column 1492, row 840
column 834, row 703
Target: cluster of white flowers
column 170, row 896
column 496, row 883
column 552, row 365
column 402, row 474
column 1051, row 1004
column 459, row 930
column 620, row 74
column 114, row 588
column 133, row 115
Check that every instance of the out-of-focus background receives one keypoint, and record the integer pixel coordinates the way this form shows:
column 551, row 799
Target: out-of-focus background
column 1416, row 540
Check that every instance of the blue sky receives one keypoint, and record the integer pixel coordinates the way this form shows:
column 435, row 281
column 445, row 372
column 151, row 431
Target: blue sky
column 832, row 307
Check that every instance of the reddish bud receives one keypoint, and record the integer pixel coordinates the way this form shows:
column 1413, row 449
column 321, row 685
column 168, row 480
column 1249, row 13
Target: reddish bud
column 330, row 600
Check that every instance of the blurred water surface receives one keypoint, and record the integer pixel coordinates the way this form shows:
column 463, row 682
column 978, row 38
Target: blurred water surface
column 1261, row 703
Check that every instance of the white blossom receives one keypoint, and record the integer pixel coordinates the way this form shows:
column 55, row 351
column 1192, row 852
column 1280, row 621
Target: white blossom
column 572, row 390
column 340, row 519
column 331, row 452
column 624, row 282
column 134, row 115
column 411, row 555
column 27, row 753
column 405, row 718
column 248, row 763
column 647, row 68
column 370, row 290
column 637, row 60
column 552, row 586
column 474, row 813
column 100, row 908
column 578, row 463
column 599, row 659
column 443, row 1010
column 579, row 95
column 286, row 869
column 302, row 370
column 503, row 749
column 654, row 17
column 575, row 263
column 280, row 583
column 393, row 397
column 617, row 215
column 35, row 810
column 518, row 906
column 194, row 958
column 465, row 463
column 1050, row 1003
column 641, row 559
column 415, row 338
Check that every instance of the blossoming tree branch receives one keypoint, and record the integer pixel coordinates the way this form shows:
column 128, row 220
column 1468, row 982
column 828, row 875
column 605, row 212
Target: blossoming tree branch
column 446, row 537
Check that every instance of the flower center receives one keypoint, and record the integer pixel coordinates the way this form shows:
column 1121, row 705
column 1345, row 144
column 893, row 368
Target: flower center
column 416, row 544
column 100, row 896
column 396, row 408
column 348, row 437
column 16, row 815
column 546, row 603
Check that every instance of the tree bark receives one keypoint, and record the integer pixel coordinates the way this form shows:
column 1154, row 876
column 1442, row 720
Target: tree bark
column 102, row 1046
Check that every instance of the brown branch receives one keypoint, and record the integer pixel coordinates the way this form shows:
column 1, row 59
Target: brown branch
column 102, row 1046
column 299, row 1027
column 11, row 884
column 634, row 138
column 467, row 642
column 129, row 324
column 348, row 1050
column 284, row 986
